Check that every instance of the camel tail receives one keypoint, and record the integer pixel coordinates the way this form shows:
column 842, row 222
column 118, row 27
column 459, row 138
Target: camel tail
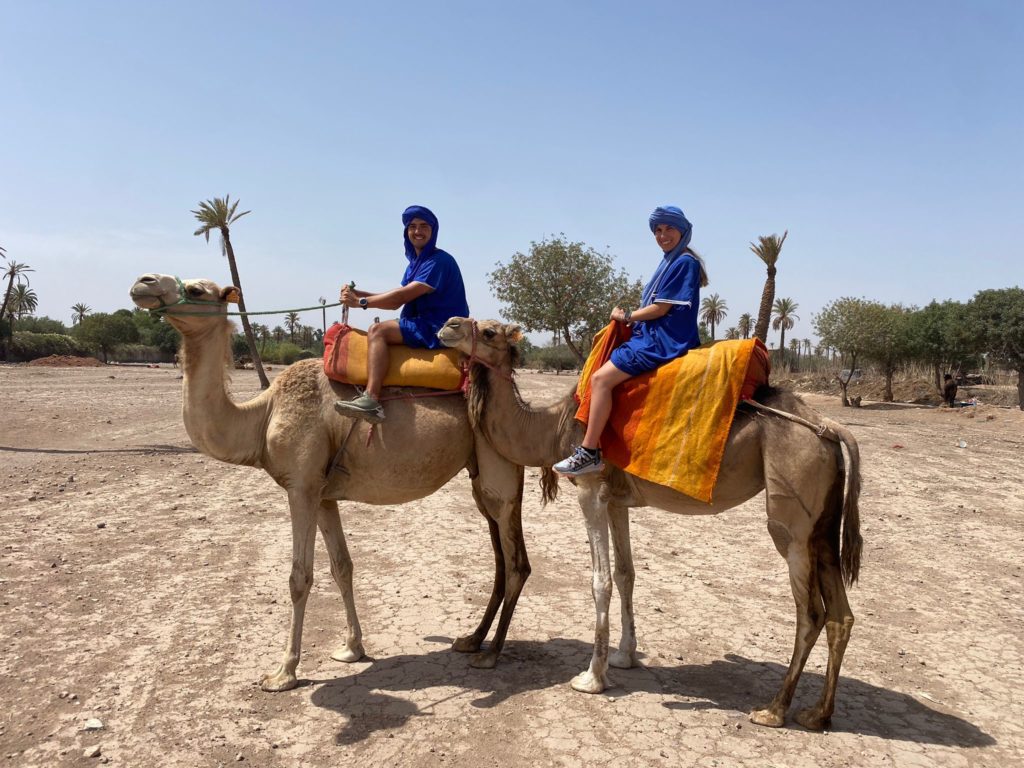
column 548, row 485
column 852, row 544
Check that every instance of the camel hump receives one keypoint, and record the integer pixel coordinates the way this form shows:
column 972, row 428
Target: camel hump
column 345, row 351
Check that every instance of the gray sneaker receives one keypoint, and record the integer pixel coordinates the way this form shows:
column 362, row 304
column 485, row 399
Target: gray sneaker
column 363, row 407
column 582, row 462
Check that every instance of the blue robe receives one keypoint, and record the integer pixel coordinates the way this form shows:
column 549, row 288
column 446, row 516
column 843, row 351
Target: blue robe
column 676, row 281
column 423, row 317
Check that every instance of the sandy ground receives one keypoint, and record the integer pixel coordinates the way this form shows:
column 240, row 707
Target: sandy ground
column 145, row 586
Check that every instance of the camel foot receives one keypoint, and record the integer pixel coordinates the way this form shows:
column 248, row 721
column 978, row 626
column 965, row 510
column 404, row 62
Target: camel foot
column 812, row 719
column 622, row 660
column 768, row 717
column 467, row 644
column 587, row 682
column 348, row 655
column 282, row 680
column 484, row 660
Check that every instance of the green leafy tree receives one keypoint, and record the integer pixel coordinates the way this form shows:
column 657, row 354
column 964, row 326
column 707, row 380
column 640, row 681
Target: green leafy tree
column 78, row 312
column 745, row 325
column 562, row 287
column 889, row 344
column 940, row 337
column 996, row 320
column 767, row 249
column 783, row 318
column 713, row 310
column 40, row 325
column 843, row 324
column 220, row 214
column 106, row 331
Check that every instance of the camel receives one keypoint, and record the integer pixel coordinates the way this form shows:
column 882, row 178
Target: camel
column 293, row 433
column 802, row 472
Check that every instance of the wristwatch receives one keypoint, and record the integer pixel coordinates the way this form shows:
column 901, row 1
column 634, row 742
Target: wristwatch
column 363, row 302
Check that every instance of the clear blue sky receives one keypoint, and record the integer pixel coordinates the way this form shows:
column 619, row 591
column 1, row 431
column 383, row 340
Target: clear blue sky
column 887, row 137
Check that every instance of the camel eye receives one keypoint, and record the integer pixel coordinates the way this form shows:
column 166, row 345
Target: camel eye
column 489, row 334
column 195, row 291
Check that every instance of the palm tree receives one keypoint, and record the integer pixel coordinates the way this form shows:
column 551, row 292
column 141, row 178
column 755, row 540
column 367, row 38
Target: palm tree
column 784, row 312
column 291, row 322
column 807, row 346
column 219, row 214
column 13, row 271
column 713, row 311
column 745, row 325
column 767, row 250
column 732, row 333
column 23, row 301
column 262, row 332
column 79, row 311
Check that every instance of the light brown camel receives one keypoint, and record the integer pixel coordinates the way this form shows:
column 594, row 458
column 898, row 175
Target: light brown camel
column 320, row 457
column 807, row 508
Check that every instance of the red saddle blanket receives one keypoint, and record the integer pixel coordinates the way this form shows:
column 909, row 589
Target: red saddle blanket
column 345, row 360
column 670, row 425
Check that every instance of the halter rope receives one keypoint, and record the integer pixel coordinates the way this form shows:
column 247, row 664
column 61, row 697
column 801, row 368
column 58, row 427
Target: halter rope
column 183, row 299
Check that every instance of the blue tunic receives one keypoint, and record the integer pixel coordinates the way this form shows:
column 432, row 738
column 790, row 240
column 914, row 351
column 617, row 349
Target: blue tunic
column 676, row 281
column 424, row 316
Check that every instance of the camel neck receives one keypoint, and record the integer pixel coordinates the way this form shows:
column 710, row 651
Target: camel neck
column 218, row 426
column 533, row 437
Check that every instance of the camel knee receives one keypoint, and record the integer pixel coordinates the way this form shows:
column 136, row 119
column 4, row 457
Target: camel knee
column 299, row 583
column 602, row 588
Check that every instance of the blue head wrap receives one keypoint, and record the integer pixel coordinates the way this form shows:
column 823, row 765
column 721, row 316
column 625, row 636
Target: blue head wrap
column 669, row 214
column 419, row 212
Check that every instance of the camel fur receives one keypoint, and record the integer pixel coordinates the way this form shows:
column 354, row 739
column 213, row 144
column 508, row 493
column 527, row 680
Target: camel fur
column 810, row 506
column 319, row 457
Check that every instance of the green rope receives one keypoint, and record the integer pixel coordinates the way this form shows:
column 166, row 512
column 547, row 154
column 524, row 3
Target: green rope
column 183, row 300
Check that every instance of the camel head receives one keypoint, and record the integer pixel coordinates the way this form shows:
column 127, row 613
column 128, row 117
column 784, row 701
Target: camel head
column 489, row 341
column 187, row 304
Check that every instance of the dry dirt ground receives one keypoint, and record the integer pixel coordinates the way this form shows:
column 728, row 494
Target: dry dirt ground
column 145, row 586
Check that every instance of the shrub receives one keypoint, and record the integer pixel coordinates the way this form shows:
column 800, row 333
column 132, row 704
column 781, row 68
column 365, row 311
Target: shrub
column 27, row 346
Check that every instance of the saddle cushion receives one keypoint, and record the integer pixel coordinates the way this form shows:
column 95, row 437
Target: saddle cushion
column 345, row 361
column 670, row 425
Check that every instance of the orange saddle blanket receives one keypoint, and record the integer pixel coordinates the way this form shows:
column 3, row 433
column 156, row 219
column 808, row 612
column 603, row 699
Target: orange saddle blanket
column 345, row 361
column 670, row 425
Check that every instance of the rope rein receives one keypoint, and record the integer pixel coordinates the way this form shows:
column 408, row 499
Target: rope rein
column 183, row 299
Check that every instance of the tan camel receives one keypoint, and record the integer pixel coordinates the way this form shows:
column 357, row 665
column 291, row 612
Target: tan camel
column 320, row 457
column 802, row 472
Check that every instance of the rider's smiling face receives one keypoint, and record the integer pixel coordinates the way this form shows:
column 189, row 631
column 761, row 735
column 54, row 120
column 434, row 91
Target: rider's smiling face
column 419, row 233
column 668, row 237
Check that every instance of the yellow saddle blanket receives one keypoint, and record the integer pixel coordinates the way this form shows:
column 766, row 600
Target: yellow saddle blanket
column 345, row 360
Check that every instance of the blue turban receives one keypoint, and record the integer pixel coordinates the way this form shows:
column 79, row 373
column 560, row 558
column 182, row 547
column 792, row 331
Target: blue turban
column 669, row 214
column 419, row 212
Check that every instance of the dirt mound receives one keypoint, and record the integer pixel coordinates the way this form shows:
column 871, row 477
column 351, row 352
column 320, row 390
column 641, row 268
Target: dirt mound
column 54, row 361
column 916, row 391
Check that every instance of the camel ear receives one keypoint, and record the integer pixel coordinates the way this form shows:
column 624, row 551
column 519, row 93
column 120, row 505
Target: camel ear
column 230, row 294
column 513, row 333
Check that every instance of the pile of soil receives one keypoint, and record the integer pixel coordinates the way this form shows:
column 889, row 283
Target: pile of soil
column 916, row 391
column 54, row 361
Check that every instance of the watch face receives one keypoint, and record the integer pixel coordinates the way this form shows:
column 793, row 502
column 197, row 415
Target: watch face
column 363, row 302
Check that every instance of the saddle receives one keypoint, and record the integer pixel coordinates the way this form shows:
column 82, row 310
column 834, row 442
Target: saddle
column 670, row 425
column 345, row 350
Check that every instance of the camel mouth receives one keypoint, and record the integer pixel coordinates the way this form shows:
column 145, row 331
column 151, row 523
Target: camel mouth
column 144, row 298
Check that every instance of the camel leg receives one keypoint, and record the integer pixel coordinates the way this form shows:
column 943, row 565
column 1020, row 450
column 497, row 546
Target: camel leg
column 329, row 522
column 303, row 514
column 595, row 514
column 625, row 656
column 838, row 624
column 501, row 491
column 471, row 643
column 810, row 617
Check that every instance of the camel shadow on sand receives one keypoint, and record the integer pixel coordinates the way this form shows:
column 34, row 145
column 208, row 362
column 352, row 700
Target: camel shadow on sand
column 733, row 684
column 738, row 683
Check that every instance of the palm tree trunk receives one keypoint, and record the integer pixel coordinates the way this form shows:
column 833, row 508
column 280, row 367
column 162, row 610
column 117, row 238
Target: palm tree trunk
column 254, row 353
column 764, row 313
column 782, row 343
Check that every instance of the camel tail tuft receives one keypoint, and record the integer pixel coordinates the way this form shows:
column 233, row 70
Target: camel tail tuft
column 548, row 485
column 852, row 543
